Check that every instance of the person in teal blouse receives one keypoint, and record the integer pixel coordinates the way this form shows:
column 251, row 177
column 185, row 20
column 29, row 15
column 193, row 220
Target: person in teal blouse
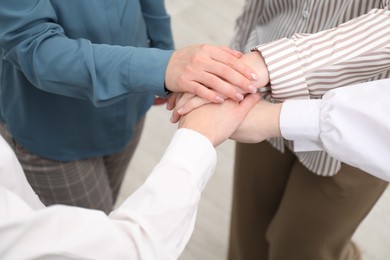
column 76, row 80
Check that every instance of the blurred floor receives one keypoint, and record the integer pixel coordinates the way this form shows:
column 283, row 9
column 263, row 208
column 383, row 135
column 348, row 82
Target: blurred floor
column 205, row 21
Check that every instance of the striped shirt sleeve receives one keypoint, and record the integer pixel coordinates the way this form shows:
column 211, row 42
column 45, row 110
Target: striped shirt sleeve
column 307, row 65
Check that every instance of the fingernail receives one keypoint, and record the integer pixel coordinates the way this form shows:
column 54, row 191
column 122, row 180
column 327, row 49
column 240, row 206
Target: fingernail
column 252, row 89
column 254, row 76
column 239, row 97
column 219, row 99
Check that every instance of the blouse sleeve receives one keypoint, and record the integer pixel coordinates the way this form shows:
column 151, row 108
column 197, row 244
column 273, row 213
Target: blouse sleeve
column 305, row 65
column 351, row 123
column 80, row 68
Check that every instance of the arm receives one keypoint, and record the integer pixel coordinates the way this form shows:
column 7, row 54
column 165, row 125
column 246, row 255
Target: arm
column 304, row 65
column 308, row 65
column 155, row 222
column 13, row 179
column 39, row 39
column 350, row 123
column 56, row 58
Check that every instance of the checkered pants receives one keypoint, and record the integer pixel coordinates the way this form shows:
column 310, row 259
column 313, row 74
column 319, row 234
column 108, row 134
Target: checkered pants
column 91, row 183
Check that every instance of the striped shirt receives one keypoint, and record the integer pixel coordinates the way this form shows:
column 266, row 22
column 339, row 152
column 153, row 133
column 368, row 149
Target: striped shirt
column 313, row 46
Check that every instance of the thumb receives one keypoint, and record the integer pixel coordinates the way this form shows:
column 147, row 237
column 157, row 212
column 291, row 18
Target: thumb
column 248, row 103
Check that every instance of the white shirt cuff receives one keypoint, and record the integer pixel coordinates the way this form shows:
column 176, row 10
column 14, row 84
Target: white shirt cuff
column 299, row 122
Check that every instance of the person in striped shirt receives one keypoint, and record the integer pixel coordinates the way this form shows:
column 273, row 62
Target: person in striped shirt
column 281, row 210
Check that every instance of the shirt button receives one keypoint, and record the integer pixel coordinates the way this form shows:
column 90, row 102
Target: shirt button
column 305, row 13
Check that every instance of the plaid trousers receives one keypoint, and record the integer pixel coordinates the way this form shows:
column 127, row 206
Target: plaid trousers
column 90, row 183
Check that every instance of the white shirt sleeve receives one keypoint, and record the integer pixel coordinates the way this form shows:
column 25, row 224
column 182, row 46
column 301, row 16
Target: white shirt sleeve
column 13, row 179
column 155, row 222
column 351, row 123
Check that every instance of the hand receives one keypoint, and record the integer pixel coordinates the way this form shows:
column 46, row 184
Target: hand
column 209, row 72
column 218, row 121
column 261, row 123
column 182, row 104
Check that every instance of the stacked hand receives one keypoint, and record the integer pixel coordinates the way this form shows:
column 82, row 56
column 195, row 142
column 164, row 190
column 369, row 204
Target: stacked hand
column 250, row 120
column 217, row 122
column 210, row 72
column 182, row 103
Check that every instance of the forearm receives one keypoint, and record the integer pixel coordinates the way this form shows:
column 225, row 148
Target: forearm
column 165, row 206
column 155, row 222
column 13, row 178
column 34, row 42
column 302, row 66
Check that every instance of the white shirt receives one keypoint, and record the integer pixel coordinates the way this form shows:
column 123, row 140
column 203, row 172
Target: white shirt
column 155, row 222
column 352, row 124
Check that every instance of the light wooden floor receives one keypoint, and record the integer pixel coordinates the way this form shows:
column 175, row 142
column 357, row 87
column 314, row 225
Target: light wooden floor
column 212, row 21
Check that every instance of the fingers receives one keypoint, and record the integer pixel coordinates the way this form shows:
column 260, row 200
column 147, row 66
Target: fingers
column 244, row 74
column 248, row 103
column 209, row 71
column 191, row 105
column 201, row 91
column 186, row 105
column 227, row 80
column 217, row 85
column 175, row 117
column 188, row 102
column 225, row 72
column 233, row 52
column 181, row 100
column 171, row 102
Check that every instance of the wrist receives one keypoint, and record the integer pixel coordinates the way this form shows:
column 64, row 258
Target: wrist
column 275, row 120
column 270, row 119
column 255, row 60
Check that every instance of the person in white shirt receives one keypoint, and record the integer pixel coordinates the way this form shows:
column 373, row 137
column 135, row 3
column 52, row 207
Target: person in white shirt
column 155, row 222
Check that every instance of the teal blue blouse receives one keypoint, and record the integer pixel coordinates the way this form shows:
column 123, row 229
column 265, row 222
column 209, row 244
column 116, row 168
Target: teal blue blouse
column 77, row 75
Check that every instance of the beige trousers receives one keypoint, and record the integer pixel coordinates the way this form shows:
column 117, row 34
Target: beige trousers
column 281, row 211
